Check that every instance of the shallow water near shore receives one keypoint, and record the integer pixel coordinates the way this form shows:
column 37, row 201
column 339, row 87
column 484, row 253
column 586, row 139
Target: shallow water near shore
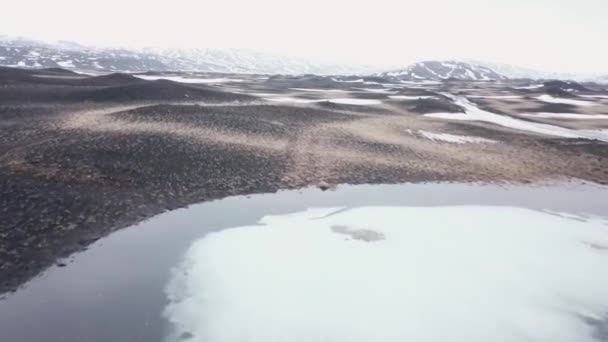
column 137, row 284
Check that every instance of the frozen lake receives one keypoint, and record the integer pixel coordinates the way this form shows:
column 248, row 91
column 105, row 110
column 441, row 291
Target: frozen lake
column 423, row 262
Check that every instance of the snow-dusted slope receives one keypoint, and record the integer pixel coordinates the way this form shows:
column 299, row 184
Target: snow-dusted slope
column 249, row 61
column 442, row 70
column 29, row 53
column 36, row 54
column 515, row 71
column 602, row 79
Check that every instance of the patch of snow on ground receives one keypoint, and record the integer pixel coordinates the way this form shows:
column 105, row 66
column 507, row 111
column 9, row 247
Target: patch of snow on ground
column 421, row 82
column 352, row 81
column 359, row 102
column 474, row 113
column 495, row 96
column 533, row 86
column 452, row 116
column 345, row 100
column 455, row 139
column 291, row 99
column 551, row 99
column 189, row 79
column 319, row 90
column 386, row 274
column 471, row 74
column 66, row 64
column 380, row 91
column 595, row 96
column 408, row 97
column 565, row 115
column 262, row 94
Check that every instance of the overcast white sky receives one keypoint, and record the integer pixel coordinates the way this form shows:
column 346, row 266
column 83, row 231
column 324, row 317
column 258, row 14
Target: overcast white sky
column 553, row 35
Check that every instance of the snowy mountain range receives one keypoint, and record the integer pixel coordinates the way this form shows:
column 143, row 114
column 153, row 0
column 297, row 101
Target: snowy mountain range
column 27, row 53
column 444, row 70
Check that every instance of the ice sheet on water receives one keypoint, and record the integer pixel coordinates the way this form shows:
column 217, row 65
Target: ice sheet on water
column 426, row 274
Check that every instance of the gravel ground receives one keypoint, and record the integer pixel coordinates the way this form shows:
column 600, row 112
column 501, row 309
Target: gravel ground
column 82, row 158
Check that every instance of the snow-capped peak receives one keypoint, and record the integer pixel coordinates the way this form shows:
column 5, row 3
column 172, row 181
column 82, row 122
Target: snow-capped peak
column 443, row 70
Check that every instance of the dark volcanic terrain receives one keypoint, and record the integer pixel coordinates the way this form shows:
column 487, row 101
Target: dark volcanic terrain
column 82, row 156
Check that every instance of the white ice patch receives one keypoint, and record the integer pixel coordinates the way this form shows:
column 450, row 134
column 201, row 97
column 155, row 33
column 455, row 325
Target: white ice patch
column 551, row 99
column 357, row 102
column 604, row 97
column 350, row 101
column 346, row 81
column 452, row 116
column 495, row 96
column 455, row 139
column 533, row 86
column 409, row 97
column 421, row 82
column 388, row 274
column 189, row 79
column 566, row 116
column 291, row 99
column 474, row 113
column 381, row 91
column 66, row 64
column 263, row 94
column 318, row 90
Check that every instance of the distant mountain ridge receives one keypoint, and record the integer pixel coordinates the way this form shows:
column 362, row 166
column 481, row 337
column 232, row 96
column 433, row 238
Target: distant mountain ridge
column 480, row 71
column 27, row 53
column 515, row 71
column 445, row 70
